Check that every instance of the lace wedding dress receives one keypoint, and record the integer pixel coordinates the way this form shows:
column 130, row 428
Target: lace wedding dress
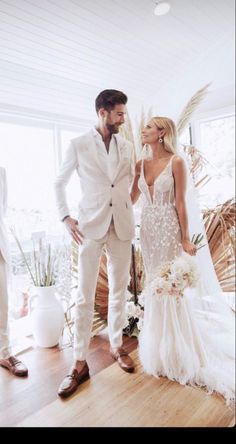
column 188, row 339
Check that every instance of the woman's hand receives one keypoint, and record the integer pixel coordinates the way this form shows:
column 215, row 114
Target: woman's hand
column 189, row 247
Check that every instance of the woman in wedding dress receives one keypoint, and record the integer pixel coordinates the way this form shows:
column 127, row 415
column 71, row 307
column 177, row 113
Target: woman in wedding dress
column 188, row 339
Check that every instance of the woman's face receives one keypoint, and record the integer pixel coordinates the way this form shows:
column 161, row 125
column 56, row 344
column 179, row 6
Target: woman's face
column 150, row 133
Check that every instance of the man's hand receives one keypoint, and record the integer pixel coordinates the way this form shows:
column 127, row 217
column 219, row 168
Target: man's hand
column 72, row 226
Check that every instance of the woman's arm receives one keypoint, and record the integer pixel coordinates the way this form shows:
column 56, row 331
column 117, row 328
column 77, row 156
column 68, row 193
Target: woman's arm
column 135, row 192
column 180, row 178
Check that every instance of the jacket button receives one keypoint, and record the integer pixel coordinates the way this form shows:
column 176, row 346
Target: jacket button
column 110, row 204
column 113, row 186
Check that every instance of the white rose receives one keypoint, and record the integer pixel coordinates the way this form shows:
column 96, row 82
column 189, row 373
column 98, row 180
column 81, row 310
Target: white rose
column 130, row 308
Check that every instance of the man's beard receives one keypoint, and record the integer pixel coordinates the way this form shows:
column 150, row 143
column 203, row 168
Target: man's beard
column 113, row 129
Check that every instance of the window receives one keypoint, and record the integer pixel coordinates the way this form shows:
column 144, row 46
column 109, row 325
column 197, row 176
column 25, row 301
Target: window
column 216, row 142
column 28, row 157
column 185, row 138
column 31, row 152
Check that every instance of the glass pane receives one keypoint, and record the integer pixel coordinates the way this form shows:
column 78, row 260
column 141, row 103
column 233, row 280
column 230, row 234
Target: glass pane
column 217, row 146
column 185, row 136
column 73, row 188
column 27, row 154
column 28, row 157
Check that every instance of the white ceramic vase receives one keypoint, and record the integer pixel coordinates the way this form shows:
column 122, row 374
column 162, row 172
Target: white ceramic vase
column 47, row 316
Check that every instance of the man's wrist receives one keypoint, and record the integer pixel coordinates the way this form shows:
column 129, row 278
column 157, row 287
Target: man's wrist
column 65, row 217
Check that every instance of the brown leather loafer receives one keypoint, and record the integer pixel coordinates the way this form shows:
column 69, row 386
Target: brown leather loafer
column 71, row 382
column 15, row 366
column 124, row 360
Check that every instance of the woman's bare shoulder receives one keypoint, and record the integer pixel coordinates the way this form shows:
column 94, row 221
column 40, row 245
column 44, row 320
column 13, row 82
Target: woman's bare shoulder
column 178, row 162
column 138, row 167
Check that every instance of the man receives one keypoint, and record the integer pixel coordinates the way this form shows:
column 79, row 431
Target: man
column 102, row 160
column 7, row 360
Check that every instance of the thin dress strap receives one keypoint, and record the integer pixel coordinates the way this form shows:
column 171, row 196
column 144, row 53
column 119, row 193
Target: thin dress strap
column 142, row 167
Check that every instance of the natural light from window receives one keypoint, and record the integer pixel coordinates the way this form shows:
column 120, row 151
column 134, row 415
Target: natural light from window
column 217, row 145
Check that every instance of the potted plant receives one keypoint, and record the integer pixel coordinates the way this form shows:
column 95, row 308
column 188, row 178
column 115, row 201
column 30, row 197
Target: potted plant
column 45, row 310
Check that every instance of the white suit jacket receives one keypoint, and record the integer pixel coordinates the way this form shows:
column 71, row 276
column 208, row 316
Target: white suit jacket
column 101, row 197
column 4, row 246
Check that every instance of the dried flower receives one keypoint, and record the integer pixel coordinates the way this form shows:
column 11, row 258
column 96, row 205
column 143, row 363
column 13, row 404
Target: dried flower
column 41, row 264
column 197, row 239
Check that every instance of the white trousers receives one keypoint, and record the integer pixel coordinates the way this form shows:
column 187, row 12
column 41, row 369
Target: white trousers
column 118, row 267
column 5, row 351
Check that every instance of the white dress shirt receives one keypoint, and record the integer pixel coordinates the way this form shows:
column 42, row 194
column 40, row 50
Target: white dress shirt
column 109, row 159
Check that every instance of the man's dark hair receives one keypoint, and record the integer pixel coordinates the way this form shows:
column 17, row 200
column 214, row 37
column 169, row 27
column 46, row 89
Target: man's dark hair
column 108, row 98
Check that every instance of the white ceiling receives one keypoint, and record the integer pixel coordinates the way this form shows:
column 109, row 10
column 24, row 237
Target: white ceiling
column 57, row 55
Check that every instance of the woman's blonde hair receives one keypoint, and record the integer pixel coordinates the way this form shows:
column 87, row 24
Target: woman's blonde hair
column 170, row 136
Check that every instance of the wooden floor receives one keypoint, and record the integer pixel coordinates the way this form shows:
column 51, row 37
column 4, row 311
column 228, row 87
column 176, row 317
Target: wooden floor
column 20, row 397
column 111, row 398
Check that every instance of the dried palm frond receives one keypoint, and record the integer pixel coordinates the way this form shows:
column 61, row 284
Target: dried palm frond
column 126, row 131
column 220, row 229
column 98, row 323
column 101, row 298
column 191, row 106
column 137, row 275
column 197, row 166
column 140, row 124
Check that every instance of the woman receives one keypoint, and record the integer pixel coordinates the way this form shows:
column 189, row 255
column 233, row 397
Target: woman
column 184, row 338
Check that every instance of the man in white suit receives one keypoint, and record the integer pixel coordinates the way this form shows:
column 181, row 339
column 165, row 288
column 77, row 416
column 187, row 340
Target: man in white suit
column 7, row 360
column 102, row 159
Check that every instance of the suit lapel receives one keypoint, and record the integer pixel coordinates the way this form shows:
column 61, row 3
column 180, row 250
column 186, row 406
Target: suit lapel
column 93, row 150
column 120, row 148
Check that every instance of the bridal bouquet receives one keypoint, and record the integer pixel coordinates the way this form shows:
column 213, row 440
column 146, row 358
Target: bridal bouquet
column 174, row 277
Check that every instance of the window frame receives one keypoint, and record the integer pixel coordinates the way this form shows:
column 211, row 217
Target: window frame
column 53, row 122
column 208, row 116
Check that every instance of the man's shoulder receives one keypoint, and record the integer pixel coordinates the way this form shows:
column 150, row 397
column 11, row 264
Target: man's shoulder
column 82, row 138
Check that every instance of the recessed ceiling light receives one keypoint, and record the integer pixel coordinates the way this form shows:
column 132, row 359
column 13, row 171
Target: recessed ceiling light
column 161, row 8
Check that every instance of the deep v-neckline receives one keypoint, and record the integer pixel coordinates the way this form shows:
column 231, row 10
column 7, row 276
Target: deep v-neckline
column 153, row 185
